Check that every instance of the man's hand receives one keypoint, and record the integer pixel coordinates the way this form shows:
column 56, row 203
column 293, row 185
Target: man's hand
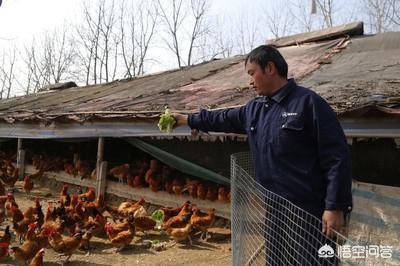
column 332, row 220
column 181, row 120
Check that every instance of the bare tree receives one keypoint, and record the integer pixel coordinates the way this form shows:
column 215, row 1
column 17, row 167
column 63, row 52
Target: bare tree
column 380, row 14
column 7, row 76
column 326, row 8
column 137, row 33
column 278, row 19
column 248, row 34
column 200, row 26
column 300, row 12
column 395, row 8
column 173, row 20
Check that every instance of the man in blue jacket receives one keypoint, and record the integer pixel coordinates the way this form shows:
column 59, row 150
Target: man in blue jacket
column 297, row 144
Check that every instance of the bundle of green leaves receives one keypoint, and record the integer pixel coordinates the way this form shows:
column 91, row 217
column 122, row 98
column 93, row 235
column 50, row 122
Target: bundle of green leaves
column 167, row 121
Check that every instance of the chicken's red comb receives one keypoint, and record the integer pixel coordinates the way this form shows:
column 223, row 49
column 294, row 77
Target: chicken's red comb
column 4, row 244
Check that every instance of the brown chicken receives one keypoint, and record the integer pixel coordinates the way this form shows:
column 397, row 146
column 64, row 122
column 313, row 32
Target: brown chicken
column 180, row 234
column 201, row 191
column 120, row 172
column 176, row 221
column 6, row 235
column 223, row 194
column 154, row 182
column 89, row 195
column 12, row 178
column 96, row 207
column 192, row 188
column 123, row 238
column 2, row 189
column 93, row 174
column 36, row 175
column 82, row 169
column 28, row 185
column 85, row 242
column 138, row 181
column 171, row 212
column 69, row 168
column 4, row 250
column 202, row 221
column 65, row 245
column 38, row 259
column 36, row 160
column 26, row 251
column 212, row 193
column 63, row 194
column 96, row 225
column 144, row 223
column 177, row 186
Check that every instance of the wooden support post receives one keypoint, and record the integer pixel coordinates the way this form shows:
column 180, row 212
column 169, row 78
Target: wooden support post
column 75, row 159
column 101, row 179
column 101, row 168
column 100, row 153
column 20, row 160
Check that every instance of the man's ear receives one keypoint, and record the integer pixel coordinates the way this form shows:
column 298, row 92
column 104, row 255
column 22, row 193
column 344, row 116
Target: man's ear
column 270, row 68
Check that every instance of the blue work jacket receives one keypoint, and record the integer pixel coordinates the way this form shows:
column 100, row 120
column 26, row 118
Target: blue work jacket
column 297, row 144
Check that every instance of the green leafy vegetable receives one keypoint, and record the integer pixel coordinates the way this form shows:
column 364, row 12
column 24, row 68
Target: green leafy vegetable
column 167, row 121
column 158, row 215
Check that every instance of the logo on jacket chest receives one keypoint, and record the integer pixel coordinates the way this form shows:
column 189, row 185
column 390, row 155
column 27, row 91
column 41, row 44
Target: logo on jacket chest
column 287, row 114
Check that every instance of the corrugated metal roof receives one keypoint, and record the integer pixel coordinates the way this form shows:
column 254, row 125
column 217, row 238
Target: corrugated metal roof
column 346, row 72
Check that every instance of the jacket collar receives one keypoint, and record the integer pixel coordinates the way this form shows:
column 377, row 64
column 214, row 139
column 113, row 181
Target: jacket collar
column 279, row 95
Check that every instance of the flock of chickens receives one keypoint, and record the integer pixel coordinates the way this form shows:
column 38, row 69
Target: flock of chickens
column 140, row 174
column 71, row 222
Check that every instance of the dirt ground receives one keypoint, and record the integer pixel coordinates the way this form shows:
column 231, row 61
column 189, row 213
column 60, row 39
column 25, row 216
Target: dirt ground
column 208, row 253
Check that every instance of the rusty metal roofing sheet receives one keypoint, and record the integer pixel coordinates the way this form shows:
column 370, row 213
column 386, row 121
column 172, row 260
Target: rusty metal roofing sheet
column 346, row 72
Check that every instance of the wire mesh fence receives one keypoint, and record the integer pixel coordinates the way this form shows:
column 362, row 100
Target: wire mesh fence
column 269, row 230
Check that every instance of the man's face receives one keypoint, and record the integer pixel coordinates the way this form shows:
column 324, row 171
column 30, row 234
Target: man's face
column 260, row 80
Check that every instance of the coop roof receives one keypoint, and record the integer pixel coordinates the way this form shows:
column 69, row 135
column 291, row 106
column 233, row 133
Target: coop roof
column 357, row 75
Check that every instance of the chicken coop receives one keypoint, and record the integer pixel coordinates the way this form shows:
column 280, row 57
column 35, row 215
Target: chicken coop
column 106, row 136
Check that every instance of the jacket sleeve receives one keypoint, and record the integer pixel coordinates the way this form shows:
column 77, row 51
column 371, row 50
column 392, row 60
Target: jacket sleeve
column 228, row 120
column 333, row 155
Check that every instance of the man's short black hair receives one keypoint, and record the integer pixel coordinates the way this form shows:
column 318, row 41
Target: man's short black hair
column 267, row 53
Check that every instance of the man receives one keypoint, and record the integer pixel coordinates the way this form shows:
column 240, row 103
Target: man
column 297, row 144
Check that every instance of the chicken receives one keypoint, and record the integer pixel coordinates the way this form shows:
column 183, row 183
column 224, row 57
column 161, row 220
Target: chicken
column 36, row 160
column 38, row 259
column 138, row 181
column 36, row 175
column 96, row 207
column 120, row 172
column 144, row 223
column 4, row 250
column 96, row 225
column 126, row 208
column 69, row 168
column 16, row 214
column 6, row 235
column 113, row 229
column 222, row 194
column 31, row 234
column 20, row 228
column 9, row 203
column 85, row 242
column 63, row 194
column 202, row 221
column 82, row 169
column 26, row 251
column 185, row 209
column 90, row 195
column 192, row 188
column 171, row 212
column 180, row 234
column 65, row 245
column 93, row 174
column 201, row 191
column 123, row 238
column 154, row 182
column 12, row 178
column 177, row 186
column 168, row 186
column 212, row 193
column 28, row 185
column 2, row 189
column 176, row 221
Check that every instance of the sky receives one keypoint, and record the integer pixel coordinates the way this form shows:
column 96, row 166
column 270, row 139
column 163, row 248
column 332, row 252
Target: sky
column 22, row 19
